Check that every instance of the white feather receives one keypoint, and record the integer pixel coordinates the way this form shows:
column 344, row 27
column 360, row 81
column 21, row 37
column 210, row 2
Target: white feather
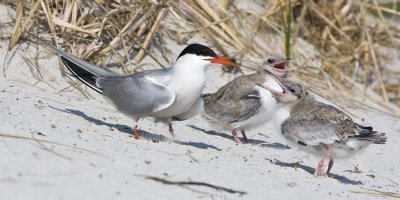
column 267, row 111
column 187, row 82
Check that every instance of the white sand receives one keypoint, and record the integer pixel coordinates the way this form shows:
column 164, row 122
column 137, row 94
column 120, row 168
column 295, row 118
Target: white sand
column 103, row 161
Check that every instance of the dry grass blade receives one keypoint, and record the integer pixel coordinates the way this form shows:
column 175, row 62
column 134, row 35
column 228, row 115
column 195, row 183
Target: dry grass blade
column 35, row 69
column 193, row 183
column 373, row 192
column 45, row 148
column 378, row 73
column 346, row 43
column 62, row 23
column 132, row 25
column 329, row 22
column 49, row 142
column 201, row 20
column 230, row 31
column 149, row 35
column 16, row 32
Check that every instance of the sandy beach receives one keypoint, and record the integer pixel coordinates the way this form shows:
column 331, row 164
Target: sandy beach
column 57, row 143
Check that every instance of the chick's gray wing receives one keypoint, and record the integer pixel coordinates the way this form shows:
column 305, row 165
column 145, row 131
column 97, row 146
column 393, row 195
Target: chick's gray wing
column 310, row 132
column 246, row 107
column 232, row 111
column 236, row 101
column 137, row 94
column 313, row 122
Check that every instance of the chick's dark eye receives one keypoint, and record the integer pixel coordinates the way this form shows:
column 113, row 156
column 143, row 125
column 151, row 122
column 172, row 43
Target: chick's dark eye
column 292, row 90
column 270, row 61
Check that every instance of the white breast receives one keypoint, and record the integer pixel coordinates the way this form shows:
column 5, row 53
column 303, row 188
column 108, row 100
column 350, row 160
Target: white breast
column 281, row 115
column 267, row 111
column 187, row 89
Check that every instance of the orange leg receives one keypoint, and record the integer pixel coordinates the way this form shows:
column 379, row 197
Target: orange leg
column 136, row 133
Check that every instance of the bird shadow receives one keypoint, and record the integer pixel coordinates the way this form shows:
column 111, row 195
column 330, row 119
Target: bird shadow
column 200, row 145
column 128, row 130
column 119, row 127
column 341, row 179
column 251, row 141
column 275, row 145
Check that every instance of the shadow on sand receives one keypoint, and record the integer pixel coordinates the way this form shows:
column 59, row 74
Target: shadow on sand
column 200, row 145
column 128, row 130
column 341, row 179
column 251, row 141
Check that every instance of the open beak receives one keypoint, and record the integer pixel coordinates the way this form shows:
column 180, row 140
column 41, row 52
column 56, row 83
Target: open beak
column 273, row 91
column 280, row 66
column 221, row 60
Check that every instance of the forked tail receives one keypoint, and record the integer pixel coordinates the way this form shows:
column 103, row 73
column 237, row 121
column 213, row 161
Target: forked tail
column 366, row 133
column 85, row 72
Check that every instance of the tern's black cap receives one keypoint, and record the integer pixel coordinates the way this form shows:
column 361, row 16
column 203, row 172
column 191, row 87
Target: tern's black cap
column 199, row 50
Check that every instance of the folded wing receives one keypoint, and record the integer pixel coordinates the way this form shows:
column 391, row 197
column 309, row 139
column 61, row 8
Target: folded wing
column 146, row 94
column 316, row 122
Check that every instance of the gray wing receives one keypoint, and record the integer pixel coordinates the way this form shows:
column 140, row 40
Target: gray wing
column 236, row 101
column 312, row 123
column 232, row 111
column 138, row 94
column 308, row 132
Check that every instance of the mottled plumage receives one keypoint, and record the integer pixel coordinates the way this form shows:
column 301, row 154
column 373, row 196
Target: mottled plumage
column 235, row 101
column 312, row 123
column 245, row 103
column 321, row 128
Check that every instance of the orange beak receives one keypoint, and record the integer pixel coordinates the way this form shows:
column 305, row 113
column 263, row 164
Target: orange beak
column 221, row 60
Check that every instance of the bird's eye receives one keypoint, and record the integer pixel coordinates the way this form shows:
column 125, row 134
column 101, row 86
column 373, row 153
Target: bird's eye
column 270, row 60
column 292, row 90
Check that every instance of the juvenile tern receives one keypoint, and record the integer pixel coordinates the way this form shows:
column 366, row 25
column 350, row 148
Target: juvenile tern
column 320, row 128
column 245, row 103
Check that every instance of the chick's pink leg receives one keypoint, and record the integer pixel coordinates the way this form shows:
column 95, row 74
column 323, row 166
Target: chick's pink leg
column 235, row 137
column 330, row 165
column 319, row 170
column 244, row 136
